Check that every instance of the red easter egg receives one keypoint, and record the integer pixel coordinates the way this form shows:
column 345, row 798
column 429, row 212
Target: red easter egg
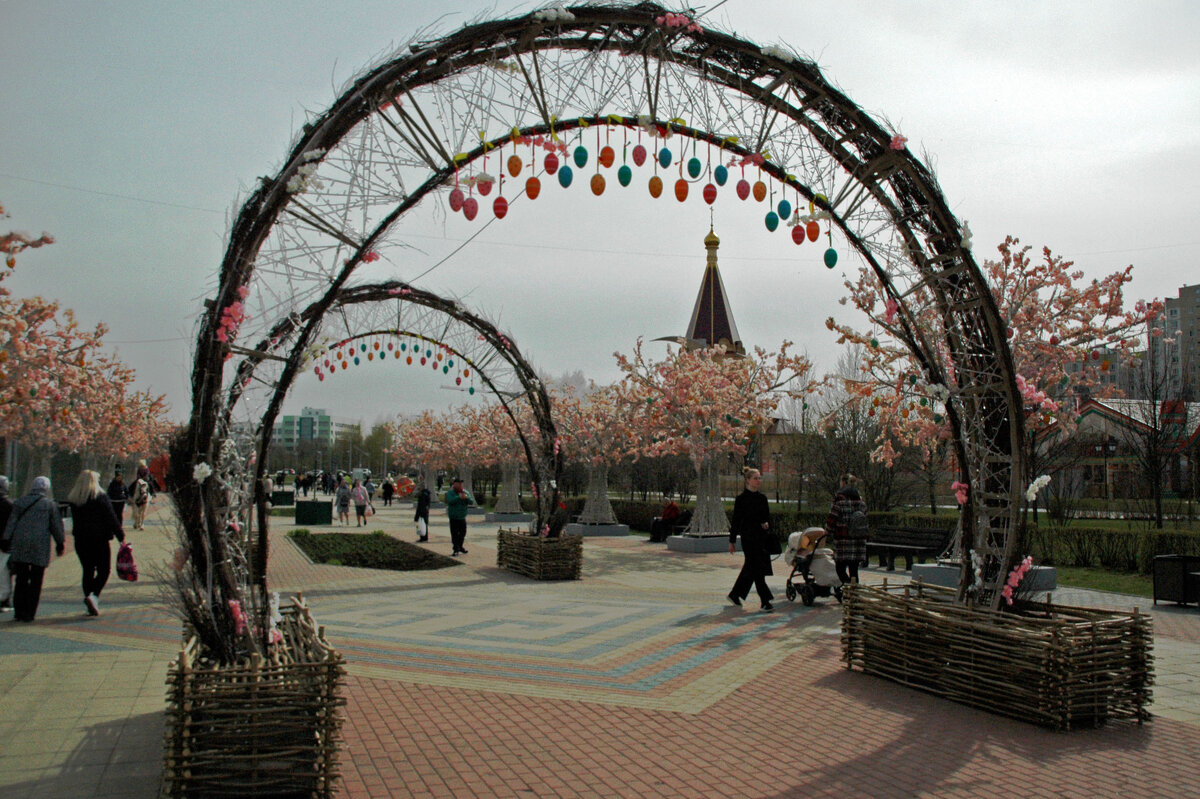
column 485, row 187
column 798, row 234
column 743, row 189
column 710, row 194
column 470, row 208
column 681, row 190
column 500, row 207
column 656, row 186
column 607, row 156
column 760, row 190
column 533, row 187
column 814, row 230
column 456, row 200
column 639, row 155
column 514, row 165
column 597, row 184
column 551, row 163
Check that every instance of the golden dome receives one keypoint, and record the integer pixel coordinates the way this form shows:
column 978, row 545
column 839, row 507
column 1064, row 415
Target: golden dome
column 711, row 239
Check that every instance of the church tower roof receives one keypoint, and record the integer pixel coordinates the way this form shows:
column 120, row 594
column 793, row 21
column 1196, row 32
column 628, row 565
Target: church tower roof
column 712, row 320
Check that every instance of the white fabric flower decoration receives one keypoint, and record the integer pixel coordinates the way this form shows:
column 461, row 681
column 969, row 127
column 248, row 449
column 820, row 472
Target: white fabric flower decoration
column 201, row 472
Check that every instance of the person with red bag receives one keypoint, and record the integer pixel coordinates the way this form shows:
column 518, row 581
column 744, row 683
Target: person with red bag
column 94, row 524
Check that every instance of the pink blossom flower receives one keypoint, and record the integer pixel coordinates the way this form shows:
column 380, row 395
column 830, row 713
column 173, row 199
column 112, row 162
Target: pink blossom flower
column 898, row 142
column 371, row 257
column 891, row 309
column 960, row 491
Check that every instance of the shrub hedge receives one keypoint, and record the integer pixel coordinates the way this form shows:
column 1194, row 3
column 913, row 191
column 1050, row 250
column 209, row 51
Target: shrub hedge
column 375, row 550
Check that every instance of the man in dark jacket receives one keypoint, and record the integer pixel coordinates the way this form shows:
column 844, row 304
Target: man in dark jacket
column 34, row 521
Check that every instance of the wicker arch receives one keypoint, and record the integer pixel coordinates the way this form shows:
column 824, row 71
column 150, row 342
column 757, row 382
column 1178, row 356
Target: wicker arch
column 409, row 127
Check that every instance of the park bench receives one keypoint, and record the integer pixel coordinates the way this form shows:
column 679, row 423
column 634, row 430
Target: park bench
column 911, row 542
column 660, row 532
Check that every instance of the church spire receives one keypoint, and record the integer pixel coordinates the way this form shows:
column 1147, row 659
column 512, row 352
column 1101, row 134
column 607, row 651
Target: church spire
column 712, row 320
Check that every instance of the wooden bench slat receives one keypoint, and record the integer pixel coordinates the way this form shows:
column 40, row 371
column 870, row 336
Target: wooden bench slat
column 911, row 542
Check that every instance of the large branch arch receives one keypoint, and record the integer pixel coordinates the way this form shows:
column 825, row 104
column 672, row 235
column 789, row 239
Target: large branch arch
column 408, row 127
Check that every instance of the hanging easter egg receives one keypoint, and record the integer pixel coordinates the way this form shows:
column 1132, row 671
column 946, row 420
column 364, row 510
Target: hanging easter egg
column 533, row 187
column 710, row 194
column 581, row 155
column 656, row 186
column 624, row 175
column 470, row 208
column 500, row 207
column 403, row 346
column 332, row 369
column 694, row 166
column 458, row 381
column 423, row 359
column 664, row 157
column 445, row 369
column 743, row 189
column 514, row 165
column 785, row 209
column 450, row 362
column 1095, row 355
column 356, row 361
column 720, row 174
column 375, row 345
column 607, row 156
column 681, row 190
column 772, row 221
column 565, row 176
column 1054, row 341
column 551, row 163
column 428, row 353
column 831, row 258
column 639, row 155
column 760, row 190
column 362, row 347
column 798, row 234
column 485, row 187
column 597, row 184
column 408, row 360
column 471, row 390
column 320, row 377
column 813, row 230
column 370, row 356
column 456, row 200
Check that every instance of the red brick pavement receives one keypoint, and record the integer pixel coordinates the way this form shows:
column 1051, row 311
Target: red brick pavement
column 809, row 728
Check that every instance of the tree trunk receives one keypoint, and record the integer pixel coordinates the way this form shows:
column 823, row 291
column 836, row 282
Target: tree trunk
column 510, row 500
column 598, row 508
column 709, row 518
column 465, row 473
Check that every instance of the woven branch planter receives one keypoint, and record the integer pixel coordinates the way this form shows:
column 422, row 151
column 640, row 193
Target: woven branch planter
column 1060, row 667
column 263, row 729
column 541, row 558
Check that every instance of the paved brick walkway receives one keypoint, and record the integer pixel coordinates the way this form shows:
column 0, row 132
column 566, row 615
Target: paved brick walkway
column 637, row 680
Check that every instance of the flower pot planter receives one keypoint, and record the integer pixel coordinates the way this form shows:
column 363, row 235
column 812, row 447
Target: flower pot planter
column 264, row 728
column 1059, row 667
column 558, row 558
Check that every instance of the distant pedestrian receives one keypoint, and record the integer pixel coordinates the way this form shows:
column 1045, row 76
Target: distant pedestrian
column 361, row 501
column 118, row 495
column 26, row 538
column 370, row 486
column 6, row 507
column 341, row 499
column 752, row 521
column 93, row 525
column 421, row 517
column 458, row 499
column 388, row 490
column 849, row 535
column 139, row 497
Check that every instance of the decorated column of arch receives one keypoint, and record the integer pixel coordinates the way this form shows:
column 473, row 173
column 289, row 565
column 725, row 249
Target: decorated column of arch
column 415, row 126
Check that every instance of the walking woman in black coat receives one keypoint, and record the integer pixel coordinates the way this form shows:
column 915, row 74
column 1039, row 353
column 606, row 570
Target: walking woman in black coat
column 752, row 521
column 93, row 524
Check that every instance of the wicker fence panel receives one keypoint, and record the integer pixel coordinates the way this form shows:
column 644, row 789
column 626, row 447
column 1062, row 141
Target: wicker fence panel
column 1056, row 666
column 257, row 728
column 559, row 558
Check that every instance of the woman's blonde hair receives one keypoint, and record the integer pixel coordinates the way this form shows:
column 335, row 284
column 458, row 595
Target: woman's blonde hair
column 849, row 479
column 748, row 472
column 87, row 485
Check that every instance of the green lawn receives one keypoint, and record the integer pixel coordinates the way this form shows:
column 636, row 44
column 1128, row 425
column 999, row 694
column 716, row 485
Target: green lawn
column 376, row 550
column 1103, row 580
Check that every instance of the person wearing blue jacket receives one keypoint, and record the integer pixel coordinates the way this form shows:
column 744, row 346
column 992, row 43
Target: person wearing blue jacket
column 34, row 521
column 458, row 499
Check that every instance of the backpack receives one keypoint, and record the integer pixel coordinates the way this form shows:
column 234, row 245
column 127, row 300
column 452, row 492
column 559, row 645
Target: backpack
column 856, row 524
column 141, row 493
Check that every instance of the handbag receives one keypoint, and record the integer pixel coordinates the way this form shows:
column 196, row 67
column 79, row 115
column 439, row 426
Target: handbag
column 772, row 544
column 421, row 528
column 126, row 568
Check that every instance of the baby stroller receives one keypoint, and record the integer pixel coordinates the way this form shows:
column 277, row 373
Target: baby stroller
column 813, row 564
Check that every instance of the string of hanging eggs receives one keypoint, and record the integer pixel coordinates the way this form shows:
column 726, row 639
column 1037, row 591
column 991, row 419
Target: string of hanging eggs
column 405, row 348
column 558, row 158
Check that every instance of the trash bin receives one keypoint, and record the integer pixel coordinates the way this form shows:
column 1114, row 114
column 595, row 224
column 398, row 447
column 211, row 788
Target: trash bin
column 280, row 499
column 314, row 513
column 1175, row 578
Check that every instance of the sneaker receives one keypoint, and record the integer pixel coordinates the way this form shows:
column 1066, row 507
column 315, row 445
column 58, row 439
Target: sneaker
column 462, row 551
column 767, row 607
column 734, row 600
column 93, row 604
column 5, row 606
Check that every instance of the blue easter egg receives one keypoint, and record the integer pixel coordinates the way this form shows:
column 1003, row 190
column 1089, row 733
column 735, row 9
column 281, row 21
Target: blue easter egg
column 624, row 175
column 720, row 174
column 581, row 156
column 772, row 221
column 694, row 167
column 785, row 209
column 565, row 176
column 664, row 157
column 831, row 258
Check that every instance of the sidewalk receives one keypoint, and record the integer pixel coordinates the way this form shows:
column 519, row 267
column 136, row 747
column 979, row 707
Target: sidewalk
column 638, row 680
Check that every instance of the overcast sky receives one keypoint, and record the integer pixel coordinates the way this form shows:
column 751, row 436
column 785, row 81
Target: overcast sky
column 130, row 131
